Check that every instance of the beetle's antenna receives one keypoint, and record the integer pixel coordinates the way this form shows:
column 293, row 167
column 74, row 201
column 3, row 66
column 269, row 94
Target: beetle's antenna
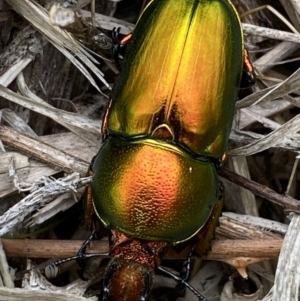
column 53, row 269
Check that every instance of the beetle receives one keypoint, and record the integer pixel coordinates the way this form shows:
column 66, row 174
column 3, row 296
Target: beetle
column 155, row 183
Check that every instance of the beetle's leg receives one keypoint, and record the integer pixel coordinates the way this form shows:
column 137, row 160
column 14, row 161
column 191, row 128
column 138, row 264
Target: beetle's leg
column 119, row 46
column 89, row 211
column 82, row 249
column 82, row 256
column 53, row 269
column 185, row 276
column 115, row 35
column 182, row 281
column 248, row 75
column 115, row 44
column 186, row 273
column 90, row 219
column 104, row 122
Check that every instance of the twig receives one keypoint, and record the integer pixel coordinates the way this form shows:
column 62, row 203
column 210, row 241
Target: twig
column 43, row 151
column 220, row 249
column 271, row 33
column 286, row 201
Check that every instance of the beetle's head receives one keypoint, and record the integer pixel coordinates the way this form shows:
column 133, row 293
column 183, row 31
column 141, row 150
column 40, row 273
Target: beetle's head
column 127, row 281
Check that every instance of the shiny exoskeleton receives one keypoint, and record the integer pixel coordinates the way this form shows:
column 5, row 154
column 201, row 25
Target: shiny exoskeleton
column 155, row 182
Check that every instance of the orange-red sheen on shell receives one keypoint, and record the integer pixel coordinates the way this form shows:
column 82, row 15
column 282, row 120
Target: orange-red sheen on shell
column 153, row 190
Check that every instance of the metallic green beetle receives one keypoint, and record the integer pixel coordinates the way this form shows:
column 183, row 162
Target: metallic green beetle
column 168, row 123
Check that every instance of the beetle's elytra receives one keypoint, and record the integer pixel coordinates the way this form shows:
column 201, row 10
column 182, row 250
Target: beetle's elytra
column 168, row 124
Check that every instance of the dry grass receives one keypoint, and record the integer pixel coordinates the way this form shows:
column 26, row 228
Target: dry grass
column 39, row 73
